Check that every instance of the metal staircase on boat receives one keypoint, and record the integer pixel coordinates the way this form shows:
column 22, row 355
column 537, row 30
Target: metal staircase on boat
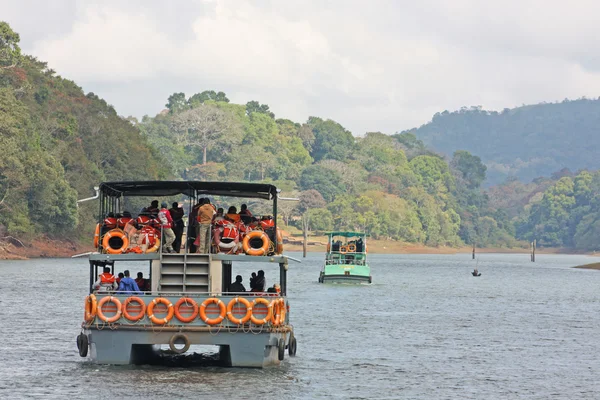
column 184, row 273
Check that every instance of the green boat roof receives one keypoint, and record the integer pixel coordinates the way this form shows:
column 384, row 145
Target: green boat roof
column 346, row 234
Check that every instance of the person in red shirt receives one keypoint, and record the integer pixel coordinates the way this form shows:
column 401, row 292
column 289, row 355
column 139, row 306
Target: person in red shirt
column 166, row 223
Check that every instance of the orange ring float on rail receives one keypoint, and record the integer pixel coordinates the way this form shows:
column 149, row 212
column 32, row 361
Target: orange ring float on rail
column 343, row 249
column 253, row 251
column 150, row 311
column 277, row 312
column 351, row 248
column 265, row 302
column 222, row 311
column 105, row 300
column 97, row 236
column 138, row 316
column 90, row 307
column 245, row 318
column 186, row 301
column 118, row 234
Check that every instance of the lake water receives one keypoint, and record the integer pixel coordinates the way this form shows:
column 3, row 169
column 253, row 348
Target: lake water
column 425, row 329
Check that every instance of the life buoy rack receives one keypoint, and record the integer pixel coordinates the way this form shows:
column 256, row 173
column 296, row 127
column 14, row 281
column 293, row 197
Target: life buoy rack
column 187, row 301
column 256, row 251
column 150, row 311
column 222, row 311
column 351, row 248
column 90, row 308
column 103, row 301
column 115, row 233
column 245, row 318
column 137, row 316
column 269, row 306
column 97, row 236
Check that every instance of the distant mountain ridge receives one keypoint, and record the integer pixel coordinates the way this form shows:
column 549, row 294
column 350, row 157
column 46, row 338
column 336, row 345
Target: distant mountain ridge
column 525, row 142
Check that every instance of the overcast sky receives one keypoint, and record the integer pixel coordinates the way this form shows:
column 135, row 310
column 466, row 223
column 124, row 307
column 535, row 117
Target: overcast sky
column 371, row 65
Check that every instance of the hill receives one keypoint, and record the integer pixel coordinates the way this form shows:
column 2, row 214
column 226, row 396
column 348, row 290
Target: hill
column 526, row 142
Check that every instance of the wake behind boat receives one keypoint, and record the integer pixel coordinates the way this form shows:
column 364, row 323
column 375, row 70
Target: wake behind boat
column 346, row 259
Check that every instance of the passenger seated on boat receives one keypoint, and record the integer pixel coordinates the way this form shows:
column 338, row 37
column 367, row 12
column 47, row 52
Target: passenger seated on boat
column 119, row 277
column 218, row 217
column 232, row 214
column 153, row 209
column 359, row 245
column 245, row 214
column 106, row 281
column 143, row 284
column 128, row 285
column 259, row 282
column 253, row 282
column 336, row 245
column 237, row 286
column 271, row 290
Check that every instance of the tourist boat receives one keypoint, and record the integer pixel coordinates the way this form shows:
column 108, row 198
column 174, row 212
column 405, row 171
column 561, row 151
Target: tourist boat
column 188, row 302
column 346, row 259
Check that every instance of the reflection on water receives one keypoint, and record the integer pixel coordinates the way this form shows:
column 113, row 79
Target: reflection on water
column 425, row 329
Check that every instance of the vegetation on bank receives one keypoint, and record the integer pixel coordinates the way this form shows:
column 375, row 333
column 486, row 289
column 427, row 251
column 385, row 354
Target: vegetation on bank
column 60, row 142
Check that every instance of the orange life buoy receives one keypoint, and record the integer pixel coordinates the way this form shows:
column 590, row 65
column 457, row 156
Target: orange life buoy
column 115, row 233
column 256, row 251
column 222, row 311
column 278, row 312
column 90, row 307
column 186, row 301
column 154, row 248
column 328, row 247
column 137, row 316
column 97, row 236
column 351, row 248
column 109, row 299
column 150, row 311
column 343, row 249
column 245, row 318
column 265, row 302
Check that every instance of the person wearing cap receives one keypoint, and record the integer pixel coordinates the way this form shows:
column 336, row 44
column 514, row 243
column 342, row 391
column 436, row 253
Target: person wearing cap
column 166, row 223
column 205, row 216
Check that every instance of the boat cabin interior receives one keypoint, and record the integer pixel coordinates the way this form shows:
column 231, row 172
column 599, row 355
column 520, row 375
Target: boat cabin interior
column 346, row 248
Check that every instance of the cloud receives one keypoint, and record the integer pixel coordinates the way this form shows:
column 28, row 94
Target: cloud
column 382, row 66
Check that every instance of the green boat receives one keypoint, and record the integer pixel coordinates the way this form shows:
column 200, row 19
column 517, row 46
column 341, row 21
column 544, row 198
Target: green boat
column 346, row 259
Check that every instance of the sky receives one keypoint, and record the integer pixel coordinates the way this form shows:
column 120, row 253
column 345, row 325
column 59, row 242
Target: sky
column 371, row 65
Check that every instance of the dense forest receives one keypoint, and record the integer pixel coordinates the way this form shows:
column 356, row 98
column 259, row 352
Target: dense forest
column 526, row 142
column 59, row 142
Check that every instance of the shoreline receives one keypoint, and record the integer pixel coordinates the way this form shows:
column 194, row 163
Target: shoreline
column 47, row 248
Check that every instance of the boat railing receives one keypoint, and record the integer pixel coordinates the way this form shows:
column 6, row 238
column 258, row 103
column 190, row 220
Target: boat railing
column 163, row 309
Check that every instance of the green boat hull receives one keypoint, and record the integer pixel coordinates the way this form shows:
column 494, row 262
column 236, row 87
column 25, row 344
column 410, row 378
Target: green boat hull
column 345, row 273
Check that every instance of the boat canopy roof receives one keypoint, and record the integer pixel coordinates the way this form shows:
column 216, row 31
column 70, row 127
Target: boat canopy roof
column 347, row 234
column 189, row 188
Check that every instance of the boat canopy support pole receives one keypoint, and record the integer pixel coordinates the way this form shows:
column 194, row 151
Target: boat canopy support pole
column 283, row 278
column 226, row 279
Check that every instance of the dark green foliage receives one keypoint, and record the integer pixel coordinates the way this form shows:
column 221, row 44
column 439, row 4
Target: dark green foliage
column 323, row 180
column 526, row 142
column 331, row 140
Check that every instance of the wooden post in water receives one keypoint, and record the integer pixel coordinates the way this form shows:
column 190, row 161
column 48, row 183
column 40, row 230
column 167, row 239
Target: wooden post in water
column 533, row 253
column 473, row 250
column 304, row 233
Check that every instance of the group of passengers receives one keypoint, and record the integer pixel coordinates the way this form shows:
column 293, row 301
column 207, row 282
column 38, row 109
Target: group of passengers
column 257, row 284
column 357, row 245
column 123, row 283
column 203, row 216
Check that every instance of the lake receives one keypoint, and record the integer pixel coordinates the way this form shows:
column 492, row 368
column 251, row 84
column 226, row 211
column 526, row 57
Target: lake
column 425, row 329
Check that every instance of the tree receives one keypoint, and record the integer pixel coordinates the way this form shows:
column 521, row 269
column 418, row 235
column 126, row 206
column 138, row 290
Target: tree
column 325, row 181
column 469, row 168
column 331, row 140
column 255, row 107
column 205, row 127
column 10, row 52
column 310, row 199
column 199, row 98
column 176, row 103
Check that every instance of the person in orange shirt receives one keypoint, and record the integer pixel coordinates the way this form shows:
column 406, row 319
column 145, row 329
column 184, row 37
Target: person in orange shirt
column 205, row 216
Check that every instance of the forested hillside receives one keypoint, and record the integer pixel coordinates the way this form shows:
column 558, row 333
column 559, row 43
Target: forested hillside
column 57, row 143
column 526, row 142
